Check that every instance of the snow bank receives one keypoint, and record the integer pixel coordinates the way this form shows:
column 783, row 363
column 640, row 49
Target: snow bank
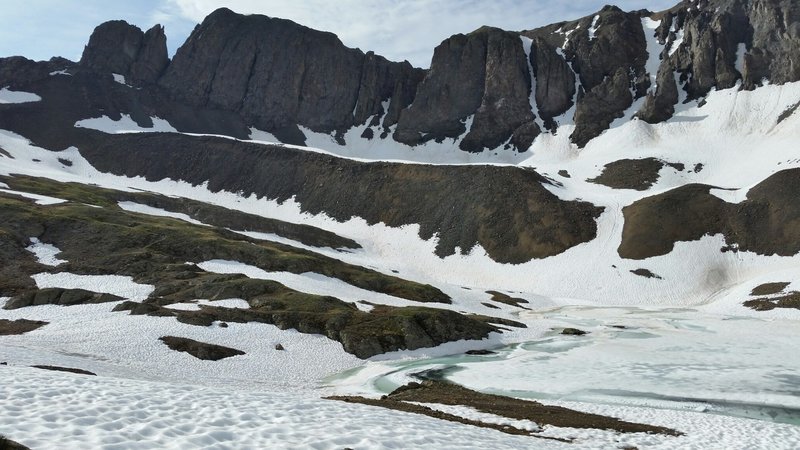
column 98, row 412
column 45, row 253
column 9, row 97
column 124, row 125
column 122, row 286
column 40, row 199
column 152, row 211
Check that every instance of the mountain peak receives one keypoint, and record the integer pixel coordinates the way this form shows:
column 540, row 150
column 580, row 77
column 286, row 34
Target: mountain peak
column 119, row 47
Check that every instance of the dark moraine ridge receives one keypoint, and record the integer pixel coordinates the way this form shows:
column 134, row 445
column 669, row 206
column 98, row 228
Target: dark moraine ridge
column 507, row 210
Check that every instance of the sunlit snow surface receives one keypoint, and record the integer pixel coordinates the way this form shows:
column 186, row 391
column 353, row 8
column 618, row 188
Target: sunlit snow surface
column 122, row 286
column 45, row 253
column 38, row 199
column 708, row 354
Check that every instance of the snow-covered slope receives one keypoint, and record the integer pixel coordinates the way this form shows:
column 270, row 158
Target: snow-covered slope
column 735, row 151
column 667, row 331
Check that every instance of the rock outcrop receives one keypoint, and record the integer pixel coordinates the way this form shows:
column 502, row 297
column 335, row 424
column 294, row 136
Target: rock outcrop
column 607, row 53
column 278, row 75
column 200, row 350
column 483, row 75
column 121, row 48
column 58, row 296
column 765, row 223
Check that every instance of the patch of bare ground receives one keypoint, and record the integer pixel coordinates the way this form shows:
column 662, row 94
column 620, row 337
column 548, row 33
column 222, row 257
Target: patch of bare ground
column 646, row 273
column 765, row 223
column 769, row 288
column 439, row 392
column 506, row 299
column 21, row 326
column 8, row 444
column 200, row 350
column 637, row 174
column 790, row 300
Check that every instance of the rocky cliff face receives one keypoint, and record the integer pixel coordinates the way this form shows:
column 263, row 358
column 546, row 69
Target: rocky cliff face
column 717, row 43
column 279, row 75
column 121, row 48
column 483, row 75
column 489, row 89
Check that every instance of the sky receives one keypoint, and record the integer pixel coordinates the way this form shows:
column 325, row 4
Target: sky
column 397, row 29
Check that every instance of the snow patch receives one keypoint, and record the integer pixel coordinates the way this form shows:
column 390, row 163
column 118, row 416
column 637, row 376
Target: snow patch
column 121, row 286
column 527, row 44
column 124, row 125
column 12, row 97
column 740, row 52
column 45, row 253
column 42, row 200
column 119, row 78
column 309, row 282
column 233, row 303
column 101, row 412
column 152, row 211
column 678, row 41
column 276, row 238
column 594, row 27
column 654, row 49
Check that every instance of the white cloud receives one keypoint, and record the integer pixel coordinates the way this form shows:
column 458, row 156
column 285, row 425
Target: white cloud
column 407, row 29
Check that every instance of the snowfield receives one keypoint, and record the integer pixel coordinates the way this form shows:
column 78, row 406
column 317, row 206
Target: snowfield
column 690, row 356
column 53, row 410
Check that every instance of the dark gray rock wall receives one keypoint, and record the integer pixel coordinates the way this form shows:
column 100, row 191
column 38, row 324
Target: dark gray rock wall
column 278, row 75
column 121, row 48
column 485, row 75
column 506, row 210
column 555, row 81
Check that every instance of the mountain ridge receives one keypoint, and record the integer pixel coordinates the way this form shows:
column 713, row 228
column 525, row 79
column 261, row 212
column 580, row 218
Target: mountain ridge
column 489, row 89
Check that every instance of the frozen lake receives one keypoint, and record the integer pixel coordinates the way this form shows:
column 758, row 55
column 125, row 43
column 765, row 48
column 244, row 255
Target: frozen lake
column 668, row 358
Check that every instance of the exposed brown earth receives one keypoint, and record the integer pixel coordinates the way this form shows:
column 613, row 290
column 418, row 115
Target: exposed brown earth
column 638, row 174
column 154, row 250
column 769, row 288
column 20, row 326
column 8, row 444
column 790, row 300
column 573, row 332
column 439, row 392
column 506, row 210
column 58, row 296
column 646, row 273
column 766, row 223
column 363, row 334
column 506, row 299
column 200, row 350
column 203, row 212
